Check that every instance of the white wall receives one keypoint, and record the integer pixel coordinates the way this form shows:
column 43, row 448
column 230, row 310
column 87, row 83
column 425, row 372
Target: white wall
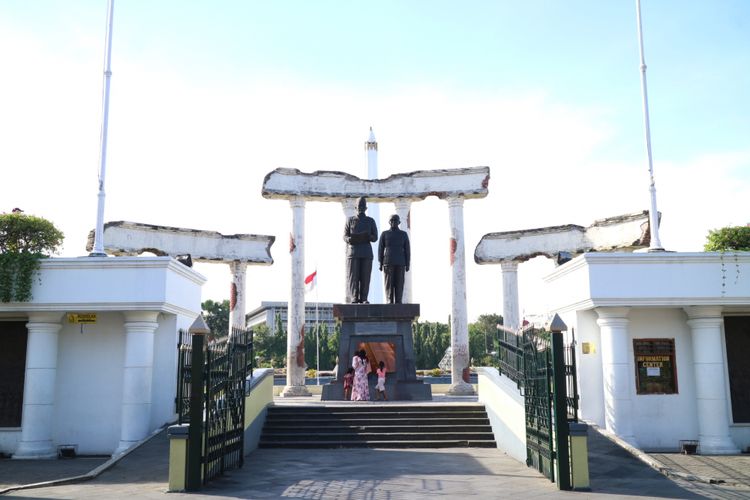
column 506, row 411
column 89, row 378
column 89, row 384
column 9, row 439
column 589, row 366
column 164, row 374
column 662, row 420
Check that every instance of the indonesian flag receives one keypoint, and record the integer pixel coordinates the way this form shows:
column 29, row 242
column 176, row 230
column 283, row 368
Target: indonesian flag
column 310, row 281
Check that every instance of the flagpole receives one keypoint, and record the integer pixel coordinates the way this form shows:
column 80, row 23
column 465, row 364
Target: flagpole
column 654, row 244
column 98, row 250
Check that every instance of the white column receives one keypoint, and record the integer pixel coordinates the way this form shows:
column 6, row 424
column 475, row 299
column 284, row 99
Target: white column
column 403, row 210
column 136, row 378
column 459, row 322
column 295, row 345
column 511, row 318
column 377, row 288
column 710, row 372
column 619, row 377
column 37, row 422
column 237, row 295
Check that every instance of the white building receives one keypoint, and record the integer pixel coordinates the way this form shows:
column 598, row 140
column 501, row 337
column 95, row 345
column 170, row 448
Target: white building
column 315, row 312
column 102, row 385
column 663, row 341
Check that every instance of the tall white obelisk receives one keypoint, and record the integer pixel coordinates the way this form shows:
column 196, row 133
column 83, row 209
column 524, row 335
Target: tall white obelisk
column 373, row 210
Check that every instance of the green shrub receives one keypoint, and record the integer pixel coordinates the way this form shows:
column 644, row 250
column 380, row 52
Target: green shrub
column 436, row 372
column 726, row 239
column 24, row 240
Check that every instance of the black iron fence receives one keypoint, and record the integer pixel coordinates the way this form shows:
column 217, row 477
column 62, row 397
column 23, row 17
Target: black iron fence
column 545, row 371
column 184, row 381
column 211, row 397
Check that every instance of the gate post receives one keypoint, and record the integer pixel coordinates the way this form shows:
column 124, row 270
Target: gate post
column 559, row 403
column 198, row 330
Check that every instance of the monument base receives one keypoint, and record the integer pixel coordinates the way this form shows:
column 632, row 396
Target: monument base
column 384, row 331
column 294, row 391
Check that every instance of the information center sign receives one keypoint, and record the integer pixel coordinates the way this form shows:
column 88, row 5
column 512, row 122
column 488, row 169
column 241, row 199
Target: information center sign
column 655, row 366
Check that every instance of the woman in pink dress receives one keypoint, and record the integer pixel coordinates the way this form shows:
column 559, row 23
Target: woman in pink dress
column 361, row 390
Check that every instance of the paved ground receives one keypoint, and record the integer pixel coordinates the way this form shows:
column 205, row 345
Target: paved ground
column 390, row 475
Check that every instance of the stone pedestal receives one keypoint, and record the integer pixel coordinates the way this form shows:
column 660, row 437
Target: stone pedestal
column 379, row 323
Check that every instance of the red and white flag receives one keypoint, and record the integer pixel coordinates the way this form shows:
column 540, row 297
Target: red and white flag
column 310, row 281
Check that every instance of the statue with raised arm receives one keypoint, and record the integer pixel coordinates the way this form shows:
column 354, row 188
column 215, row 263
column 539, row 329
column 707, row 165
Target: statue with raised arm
column 360, row 231
column 394, row 256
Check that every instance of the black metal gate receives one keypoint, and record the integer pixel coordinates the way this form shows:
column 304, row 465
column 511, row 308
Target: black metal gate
column 545, row 371
column 537, row 366
column 215, row 408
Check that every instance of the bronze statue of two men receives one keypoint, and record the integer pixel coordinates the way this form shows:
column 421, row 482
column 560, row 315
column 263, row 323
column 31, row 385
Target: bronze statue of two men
column 394, row 256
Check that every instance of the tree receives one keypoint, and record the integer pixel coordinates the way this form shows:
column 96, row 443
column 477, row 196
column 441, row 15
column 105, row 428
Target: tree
column 24, row 241
column 216, row 315
column 485, row 331
column 430, row 340
column 727, row 239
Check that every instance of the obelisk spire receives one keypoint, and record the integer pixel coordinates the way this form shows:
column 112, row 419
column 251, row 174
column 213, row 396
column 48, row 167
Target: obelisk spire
column 373, row 209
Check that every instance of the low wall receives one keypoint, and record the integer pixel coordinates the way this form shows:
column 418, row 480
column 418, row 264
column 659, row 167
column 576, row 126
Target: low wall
column 505, row 408
column 259, row 394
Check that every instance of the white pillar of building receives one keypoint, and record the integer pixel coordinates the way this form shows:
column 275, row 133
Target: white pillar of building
column 295, row 345
column 237, row 295
column 403, row 210
column 460, row 366
column 137, row 376
column 617, row 371
column 710, row 372
column 377, row 289
column 37, row 421
column 511, row 317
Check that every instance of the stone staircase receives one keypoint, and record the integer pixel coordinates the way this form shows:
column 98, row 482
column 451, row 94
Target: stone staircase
column 373, row 425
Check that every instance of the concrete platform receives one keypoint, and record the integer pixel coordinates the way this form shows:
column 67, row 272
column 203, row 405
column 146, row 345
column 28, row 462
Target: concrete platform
column 395, row 474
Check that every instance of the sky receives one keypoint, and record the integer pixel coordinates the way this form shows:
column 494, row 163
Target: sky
column 207, row 97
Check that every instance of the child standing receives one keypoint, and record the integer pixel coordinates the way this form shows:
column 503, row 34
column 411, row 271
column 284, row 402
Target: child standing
column 381, row 381
column 348, row 381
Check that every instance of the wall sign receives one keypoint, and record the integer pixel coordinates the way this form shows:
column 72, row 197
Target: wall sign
column 655, row 366
column 82, row 318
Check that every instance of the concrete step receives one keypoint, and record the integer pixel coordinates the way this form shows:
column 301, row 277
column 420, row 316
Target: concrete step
column 308, row 428
column 377, row 425
column 383, row 420
column 380, row 444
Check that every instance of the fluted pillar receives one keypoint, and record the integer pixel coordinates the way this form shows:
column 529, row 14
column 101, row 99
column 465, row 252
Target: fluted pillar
column 511, row 317
column 37, row 421
column 710, row 371
column 295, row 345
column 237, row 295
column 136, row 379
column 403, row 210
column 617, row 372
column 460, row 370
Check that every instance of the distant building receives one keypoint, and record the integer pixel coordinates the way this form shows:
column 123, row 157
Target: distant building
column 314, row 311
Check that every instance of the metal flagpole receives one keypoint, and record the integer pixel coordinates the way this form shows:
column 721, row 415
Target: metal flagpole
column 317, row 329
column 655, row 244
column 99, row 231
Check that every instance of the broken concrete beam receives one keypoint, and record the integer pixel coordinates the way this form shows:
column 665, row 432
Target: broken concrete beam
column 623, row 232
column 285, row 183
column 133, row 238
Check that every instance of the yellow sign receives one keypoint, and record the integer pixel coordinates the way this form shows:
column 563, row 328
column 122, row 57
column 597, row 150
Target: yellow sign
column 83, row 318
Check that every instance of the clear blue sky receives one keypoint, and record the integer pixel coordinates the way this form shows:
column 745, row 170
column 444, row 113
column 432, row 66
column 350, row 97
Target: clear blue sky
column 208, row 97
